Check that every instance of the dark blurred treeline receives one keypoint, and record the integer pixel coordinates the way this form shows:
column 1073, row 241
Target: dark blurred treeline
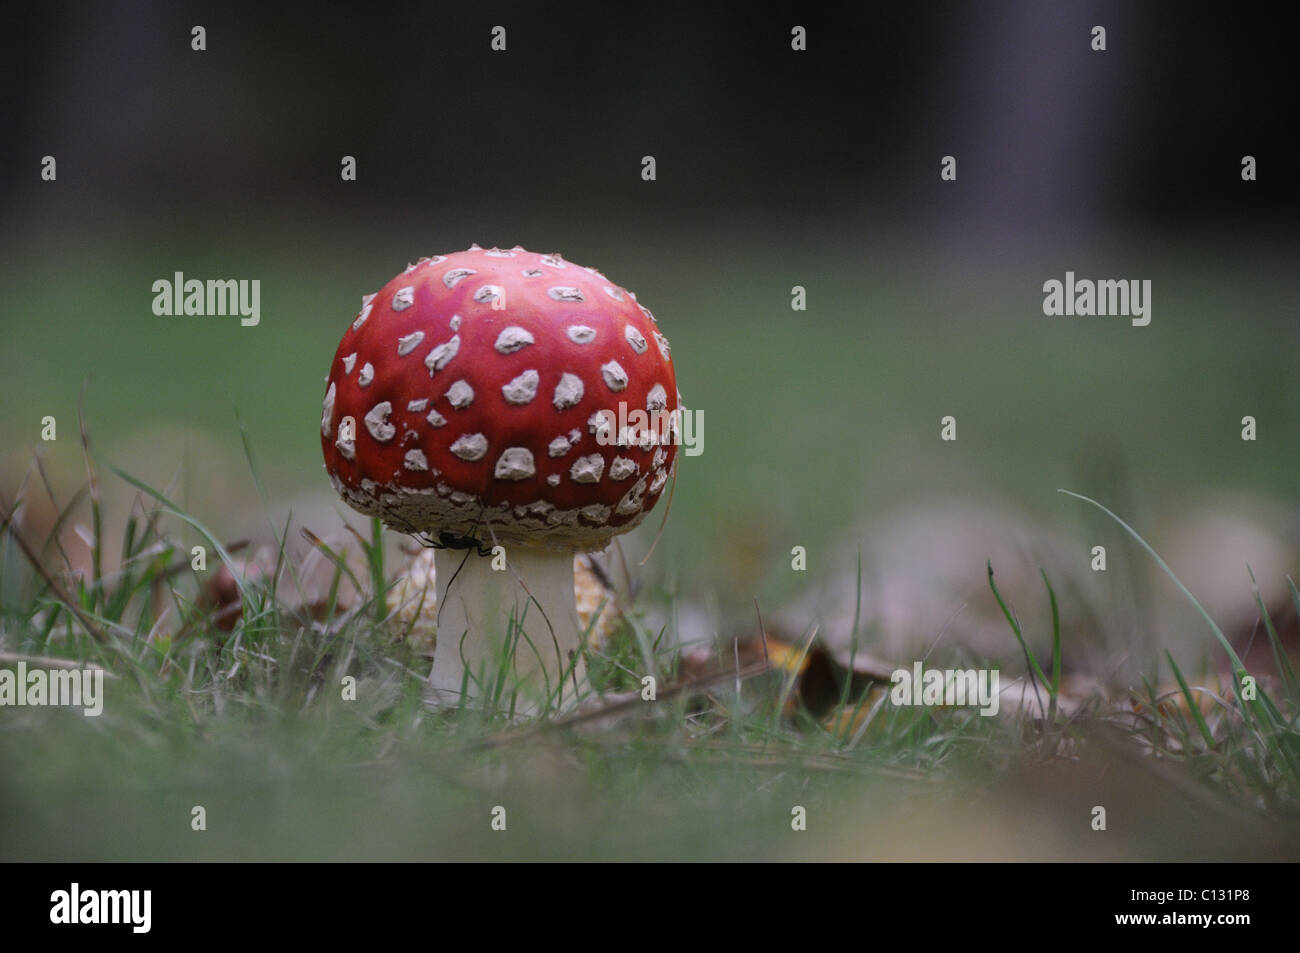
column 1151, row 130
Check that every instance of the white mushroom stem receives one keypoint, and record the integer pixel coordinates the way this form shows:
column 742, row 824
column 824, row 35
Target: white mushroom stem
column 518, row 610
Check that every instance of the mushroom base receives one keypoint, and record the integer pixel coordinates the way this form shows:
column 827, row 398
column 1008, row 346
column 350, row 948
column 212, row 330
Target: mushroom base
column 507, row 626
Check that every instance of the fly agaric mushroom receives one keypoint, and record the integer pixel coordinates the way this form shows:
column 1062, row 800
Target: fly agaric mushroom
column 502, row 404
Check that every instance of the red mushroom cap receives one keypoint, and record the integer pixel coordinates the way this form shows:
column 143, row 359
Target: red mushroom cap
column 481, row 395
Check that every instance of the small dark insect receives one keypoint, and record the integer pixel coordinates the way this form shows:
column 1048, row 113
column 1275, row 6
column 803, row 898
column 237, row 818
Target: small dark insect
column 444, row 539
column 447, row 540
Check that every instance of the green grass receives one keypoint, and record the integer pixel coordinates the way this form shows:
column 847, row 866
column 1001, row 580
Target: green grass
column 252, row 725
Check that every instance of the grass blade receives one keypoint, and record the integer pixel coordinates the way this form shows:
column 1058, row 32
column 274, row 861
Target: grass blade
column 1239, row 669
column 1192, row 706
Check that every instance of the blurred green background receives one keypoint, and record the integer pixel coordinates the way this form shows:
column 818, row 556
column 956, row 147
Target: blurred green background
column 812, row 420
column 776, row 168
